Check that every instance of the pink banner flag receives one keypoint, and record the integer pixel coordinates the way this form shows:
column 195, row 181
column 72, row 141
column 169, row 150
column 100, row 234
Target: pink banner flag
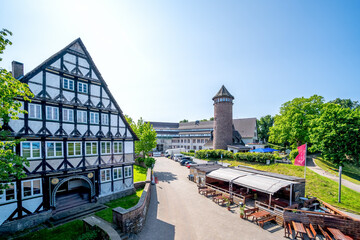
column 300, row 158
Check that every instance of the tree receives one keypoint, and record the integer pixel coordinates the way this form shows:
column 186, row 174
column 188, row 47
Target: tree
column 184, row 121
column 204, row 120
column 11, row 91
column 263, row 127
column 211, row 119
column 346, row 103
column 292, row 125
column 336, row 133
column 146, row 134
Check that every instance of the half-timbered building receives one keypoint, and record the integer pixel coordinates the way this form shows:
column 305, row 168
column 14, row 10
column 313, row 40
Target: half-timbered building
column 78, row 143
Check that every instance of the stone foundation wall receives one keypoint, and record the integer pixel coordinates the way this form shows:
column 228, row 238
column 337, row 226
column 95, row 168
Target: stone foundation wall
column 116, row 195
column 132, row 220
column 25, row 222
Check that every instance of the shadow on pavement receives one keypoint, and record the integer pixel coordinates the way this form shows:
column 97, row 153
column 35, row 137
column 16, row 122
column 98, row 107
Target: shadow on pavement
column 154, row 227
column 165, row 176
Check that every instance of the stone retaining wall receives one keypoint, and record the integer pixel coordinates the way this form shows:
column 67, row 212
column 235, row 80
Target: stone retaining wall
column 132, row 220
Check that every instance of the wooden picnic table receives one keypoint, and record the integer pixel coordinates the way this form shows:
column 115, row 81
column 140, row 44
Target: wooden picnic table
column 260, row 214
column 201, row 189
column 208, row 192
column 219, row 198
column 299, row 229
column 338, row 235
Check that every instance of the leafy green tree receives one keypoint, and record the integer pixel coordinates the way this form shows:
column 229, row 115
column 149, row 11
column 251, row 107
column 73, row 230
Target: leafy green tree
column 146, row 134
column 336, row 133
column 184, row 121
column 263, row 127
column 347, row 103
column 293, row 123
column 11, row 91
column 203, row 120
column 211, row 119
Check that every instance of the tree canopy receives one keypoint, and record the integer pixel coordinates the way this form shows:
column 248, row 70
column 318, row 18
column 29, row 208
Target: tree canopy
column 184, row 121
column 11, row 90
column 336, row 133
column 146, row 134
column 263, row 127
column 292, row 125
column 346, row 103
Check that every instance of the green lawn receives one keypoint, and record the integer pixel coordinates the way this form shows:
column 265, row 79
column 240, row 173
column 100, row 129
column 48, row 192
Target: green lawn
column 125, row 202
column 68, row 231
column 350, row 172
column 316, row 185
column 139, row 173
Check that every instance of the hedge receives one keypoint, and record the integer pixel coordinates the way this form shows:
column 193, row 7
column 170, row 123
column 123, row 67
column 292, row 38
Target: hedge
column 240, row 156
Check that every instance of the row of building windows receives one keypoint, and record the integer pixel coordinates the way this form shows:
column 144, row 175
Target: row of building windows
column 69, row 85
column 105, row 174
column 188, row 140
column 32, row 150
column 187, row 147
column 52, row 113
column 30, row 188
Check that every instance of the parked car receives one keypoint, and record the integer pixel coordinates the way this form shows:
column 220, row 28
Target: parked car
column 185, row 158
column 185, row 161
column 177, row 157
column 189, row 164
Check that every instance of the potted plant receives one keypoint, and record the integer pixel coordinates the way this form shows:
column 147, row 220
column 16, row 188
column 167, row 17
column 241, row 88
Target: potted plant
column 242, row 208
column 228, row 204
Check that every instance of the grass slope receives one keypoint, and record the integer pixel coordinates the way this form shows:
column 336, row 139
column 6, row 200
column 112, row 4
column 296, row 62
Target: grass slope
column 139, row 173
column 350, row 172
column 68, row 231
column 316, row 185
column 125, row 202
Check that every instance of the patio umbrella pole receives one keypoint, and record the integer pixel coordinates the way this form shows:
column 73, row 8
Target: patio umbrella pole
column 291, row 194
column 269, row 200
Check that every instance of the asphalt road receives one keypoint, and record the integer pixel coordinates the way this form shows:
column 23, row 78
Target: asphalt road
column 177, row 211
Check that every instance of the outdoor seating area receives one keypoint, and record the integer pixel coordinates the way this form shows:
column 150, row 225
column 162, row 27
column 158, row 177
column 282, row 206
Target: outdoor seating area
column 296, row 230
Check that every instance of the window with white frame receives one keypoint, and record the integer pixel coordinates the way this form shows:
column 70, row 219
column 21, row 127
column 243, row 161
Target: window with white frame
column 117, row 173
column 82, row 87
column 9, row 194
column 74, row 148
column 128, row 171
column 68, row 115
column 30, row 150
column 68, row 84
column 94, row 118
column 54, row 149
column 105, row 119
column 91, row 148
column 81, row 116
column 34, row 111
column 52, row 113
column 105, row 147
column 118, row 147
column 31, row 188
column 105, row 175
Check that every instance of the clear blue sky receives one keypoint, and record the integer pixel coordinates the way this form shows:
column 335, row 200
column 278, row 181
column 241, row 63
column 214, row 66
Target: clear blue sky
column 165, row 60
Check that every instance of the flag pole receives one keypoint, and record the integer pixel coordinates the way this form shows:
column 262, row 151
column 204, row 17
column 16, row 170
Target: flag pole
column 305, row 159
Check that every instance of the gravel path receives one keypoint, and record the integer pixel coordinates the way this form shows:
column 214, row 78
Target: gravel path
column 177, row 211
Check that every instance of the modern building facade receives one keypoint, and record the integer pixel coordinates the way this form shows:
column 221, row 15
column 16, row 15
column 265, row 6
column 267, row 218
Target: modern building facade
column 222, row 133
column 78, row 143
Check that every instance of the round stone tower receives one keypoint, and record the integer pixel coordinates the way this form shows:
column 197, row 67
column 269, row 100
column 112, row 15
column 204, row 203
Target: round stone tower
column 223, row 120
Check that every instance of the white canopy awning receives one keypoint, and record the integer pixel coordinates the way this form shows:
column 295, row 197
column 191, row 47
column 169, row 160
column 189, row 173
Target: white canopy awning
column 262, row 183
column 250, row 180
column 226, row 174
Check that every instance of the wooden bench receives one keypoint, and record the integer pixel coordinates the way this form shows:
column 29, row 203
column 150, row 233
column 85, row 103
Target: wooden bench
column 310, row 231
column 288, row 230
column 266, row 219
column 324, row 233
column 248, row 212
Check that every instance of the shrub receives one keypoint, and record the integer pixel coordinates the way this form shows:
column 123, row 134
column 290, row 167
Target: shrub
column 149, row 162
column 255, row 157
column 139, row 160
column 293, row 154
column 203, row 154
column 191, row 151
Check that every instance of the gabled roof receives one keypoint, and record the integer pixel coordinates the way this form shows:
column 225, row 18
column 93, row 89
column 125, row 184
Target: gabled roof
column 197, row 125
column 245, row 126
column 223, row 92
column 78, row 46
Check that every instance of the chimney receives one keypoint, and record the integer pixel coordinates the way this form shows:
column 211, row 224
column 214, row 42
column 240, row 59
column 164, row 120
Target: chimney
column 17, row 69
